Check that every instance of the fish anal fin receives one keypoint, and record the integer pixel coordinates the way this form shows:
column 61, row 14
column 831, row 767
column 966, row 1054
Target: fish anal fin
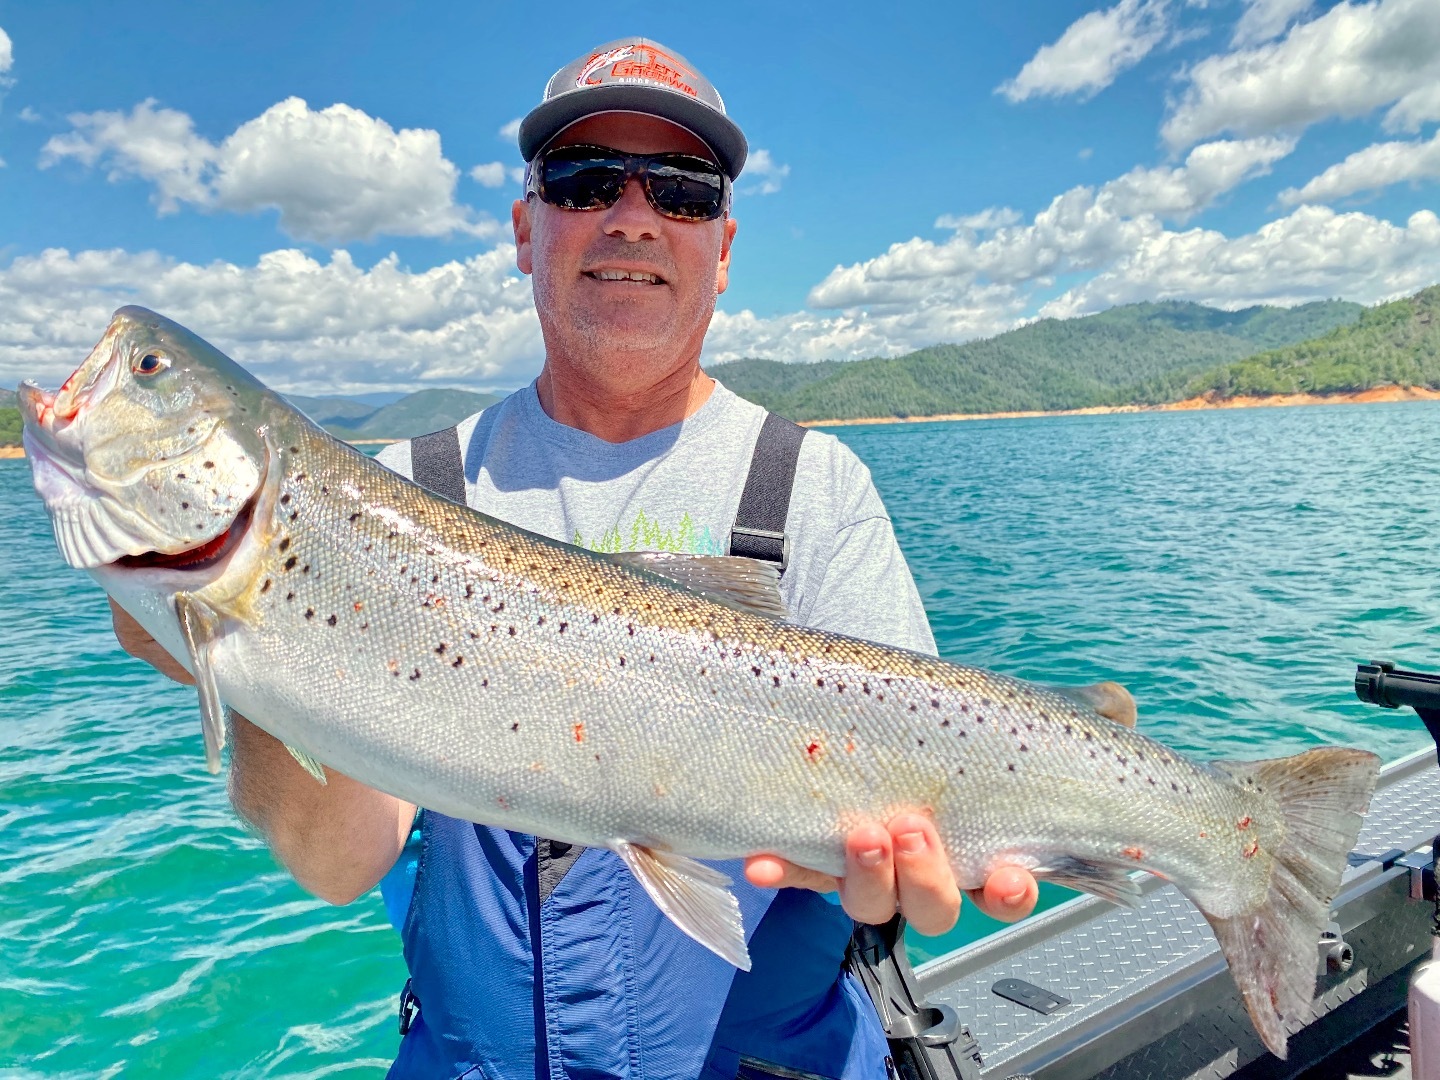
column 308, row 763
column 1108, row 882
column 200, row 625
column 737, row 582
column 1321, row 795
column 694, row 897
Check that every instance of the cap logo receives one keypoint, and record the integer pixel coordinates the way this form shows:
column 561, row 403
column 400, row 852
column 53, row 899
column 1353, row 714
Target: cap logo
column 599, row 60
column 643, row 62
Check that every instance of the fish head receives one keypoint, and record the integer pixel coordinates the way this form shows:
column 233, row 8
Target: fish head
column 151, row 451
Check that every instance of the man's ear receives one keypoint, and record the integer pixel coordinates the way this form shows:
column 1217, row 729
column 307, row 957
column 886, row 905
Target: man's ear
column 520, row 222
column 722, row 274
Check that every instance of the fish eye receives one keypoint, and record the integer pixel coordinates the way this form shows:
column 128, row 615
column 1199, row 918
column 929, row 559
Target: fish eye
column 150, row 364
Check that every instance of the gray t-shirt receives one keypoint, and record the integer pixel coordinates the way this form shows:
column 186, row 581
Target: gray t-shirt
column 678, row 489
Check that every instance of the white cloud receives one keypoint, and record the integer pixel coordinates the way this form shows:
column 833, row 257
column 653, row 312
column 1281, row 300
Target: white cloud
column 1210, row 170
column 491, row 174
column 333, row 175
column 297, row 323
column 7, row 52
column 1266, row 19
column 767, row 173
column 511, row 132
column 1082, row 230
column 1091, row 53
column 994, row 217
column 1346, row 63
column 29, row 115
column 1311, row 254
column 1370, row 169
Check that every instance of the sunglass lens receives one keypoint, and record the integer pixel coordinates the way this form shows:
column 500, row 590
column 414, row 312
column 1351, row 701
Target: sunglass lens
column 693, row 193
column 587, row 182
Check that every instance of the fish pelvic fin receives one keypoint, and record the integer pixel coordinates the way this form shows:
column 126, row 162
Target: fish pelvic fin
column 696, row 898
column 308, row 763
column 1322, row 795
column 1107, row 882
column 199, row 625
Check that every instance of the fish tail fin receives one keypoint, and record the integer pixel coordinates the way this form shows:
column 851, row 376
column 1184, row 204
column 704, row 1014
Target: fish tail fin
column 1271, row 949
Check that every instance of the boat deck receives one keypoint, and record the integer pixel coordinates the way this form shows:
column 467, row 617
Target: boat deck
column 1149, row 993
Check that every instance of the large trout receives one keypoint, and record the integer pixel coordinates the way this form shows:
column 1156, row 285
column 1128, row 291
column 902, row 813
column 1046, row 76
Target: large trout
column 659, row 707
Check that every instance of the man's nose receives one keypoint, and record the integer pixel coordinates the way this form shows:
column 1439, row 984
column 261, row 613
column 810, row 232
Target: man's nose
column 632, row 216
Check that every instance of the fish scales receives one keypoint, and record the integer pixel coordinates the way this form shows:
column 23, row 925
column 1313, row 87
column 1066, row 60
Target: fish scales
column 498, row 676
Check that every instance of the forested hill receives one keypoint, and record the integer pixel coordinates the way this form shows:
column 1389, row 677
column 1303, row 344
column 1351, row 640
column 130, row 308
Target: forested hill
column 1147, row 352
column 1392, row 344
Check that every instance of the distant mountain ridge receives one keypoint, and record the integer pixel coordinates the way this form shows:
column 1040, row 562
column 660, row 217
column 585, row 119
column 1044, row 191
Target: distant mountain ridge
column 414, row 414
column 1391, row 344
column 1136, row 353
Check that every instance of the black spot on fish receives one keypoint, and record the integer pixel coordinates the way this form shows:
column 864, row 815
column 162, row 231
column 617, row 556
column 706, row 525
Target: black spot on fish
column 457, row 661
column 440, row 649
column 309, row 612
column 414, row 675
column 209, row 464
column 912, row 708
column 285, row 544
column 305, row 569
column 1023, row 748
column 774, row 678
column 486, row 682
column 1089, row 736
column 1010, row 767
column 435, row 580
column 285, row 499
column 564, row 626
column 290, row 562
column 921, row 742
column 354, row 517
column 294, row 449
column 1174, row 786
column 184, row 506
column 289, row 596
column 622, row 661
column 469, row 591
column 960, row 771
column 512, row 631
column 331, row 620
column 515, row 726
column 266, row 587
column 324, row 489
column 819, row 682
column 299, row 477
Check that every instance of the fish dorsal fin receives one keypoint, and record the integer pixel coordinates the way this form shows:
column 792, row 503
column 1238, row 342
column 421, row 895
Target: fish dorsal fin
column 695, row 897
column 199, row 625
column 727, row 579
column 1109, row 699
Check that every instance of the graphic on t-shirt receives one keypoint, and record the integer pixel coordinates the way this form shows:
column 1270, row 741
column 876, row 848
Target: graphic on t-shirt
column 648, row 534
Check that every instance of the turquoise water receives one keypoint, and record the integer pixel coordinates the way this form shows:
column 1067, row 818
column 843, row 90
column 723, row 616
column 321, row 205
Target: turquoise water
column 1229, row 567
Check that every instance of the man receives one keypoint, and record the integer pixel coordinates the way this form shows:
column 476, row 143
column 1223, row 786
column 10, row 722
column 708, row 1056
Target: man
column 530, row 957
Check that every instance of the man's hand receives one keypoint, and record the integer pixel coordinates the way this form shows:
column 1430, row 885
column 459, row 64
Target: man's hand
column 136, row 641
column 901, row 868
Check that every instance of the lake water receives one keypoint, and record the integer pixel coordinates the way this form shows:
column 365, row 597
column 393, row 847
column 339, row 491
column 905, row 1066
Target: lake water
column 1229, row 567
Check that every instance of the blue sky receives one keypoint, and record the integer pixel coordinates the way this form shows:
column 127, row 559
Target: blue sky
column 323, row 189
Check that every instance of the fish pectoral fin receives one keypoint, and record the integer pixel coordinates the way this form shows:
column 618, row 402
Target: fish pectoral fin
column 310, row 765
column 731, row 580
column 199, row 625
column 1107, row 882
column 696, row 898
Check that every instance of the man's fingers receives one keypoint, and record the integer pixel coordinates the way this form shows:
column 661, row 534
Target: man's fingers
column 929, row 898
column 1009, row 894
column 136, row 641
column 868, row 891
column 773, row 872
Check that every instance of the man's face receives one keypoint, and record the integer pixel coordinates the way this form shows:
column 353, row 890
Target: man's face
column 575, row 258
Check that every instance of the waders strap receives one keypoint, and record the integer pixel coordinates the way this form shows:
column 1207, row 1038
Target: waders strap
column 435, row 463
column 759, row 530
column 927, row 1042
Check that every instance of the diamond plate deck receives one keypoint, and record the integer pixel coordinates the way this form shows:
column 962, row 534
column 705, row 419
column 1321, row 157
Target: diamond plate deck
column 1150, row 994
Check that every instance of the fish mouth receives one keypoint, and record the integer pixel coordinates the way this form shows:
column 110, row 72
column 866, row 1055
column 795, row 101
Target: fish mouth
column 206, row 556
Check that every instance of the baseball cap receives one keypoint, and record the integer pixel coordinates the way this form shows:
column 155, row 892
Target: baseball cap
column 635, row 75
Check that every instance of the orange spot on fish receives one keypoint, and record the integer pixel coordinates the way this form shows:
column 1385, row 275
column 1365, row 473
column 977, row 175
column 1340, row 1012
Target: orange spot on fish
column 579, row 730
column 849, row 746
column 1204, row 836
column 1250, row 849
column 502, row 802
column 812, row 751
column 1133, row 853
column 1244, row 823
column 358, row 605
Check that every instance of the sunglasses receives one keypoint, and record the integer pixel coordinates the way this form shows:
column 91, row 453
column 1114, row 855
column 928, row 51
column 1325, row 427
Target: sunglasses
column 681, row 187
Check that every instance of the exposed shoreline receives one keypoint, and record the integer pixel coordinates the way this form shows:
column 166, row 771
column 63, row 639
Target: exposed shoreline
column 1207, row 401
column 1351, row 397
